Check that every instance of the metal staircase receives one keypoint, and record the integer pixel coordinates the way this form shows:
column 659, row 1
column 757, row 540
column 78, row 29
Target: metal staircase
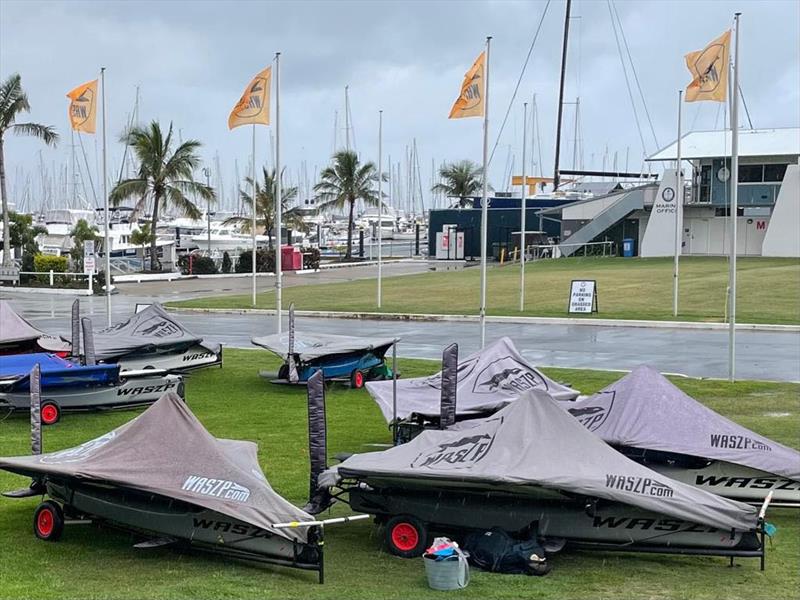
column 621, row 208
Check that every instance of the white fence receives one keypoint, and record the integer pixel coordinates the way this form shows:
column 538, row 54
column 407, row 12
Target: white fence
column 51, row 276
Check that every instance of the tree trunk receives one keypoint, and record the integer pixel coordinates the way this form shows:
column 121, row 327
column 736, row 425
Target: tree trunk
column 349, row 253
column 153, row 255
column 4, row 194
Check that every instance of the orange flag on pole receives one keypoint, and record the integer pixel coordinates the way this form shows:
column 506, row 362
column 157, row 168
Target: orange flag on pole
column 709, row 69
column 83, row 107
column 470, row 102
column 253, row 107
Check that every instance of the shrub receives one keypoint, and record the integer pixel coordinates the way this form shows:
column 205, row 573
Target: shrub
column 227, row 265
column 311, row 258
column 201, row 265
column 28, row 264
column 265, row 261
column 45, row 263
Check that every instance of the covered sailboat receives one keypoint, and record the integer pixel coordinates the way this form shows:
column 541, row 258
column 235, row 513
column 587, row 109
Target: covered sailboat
column 531, row 467
column 484, row 382
column 166, row 477
column 354, row 360
column 155, row 339
column 649, row 419
column 68, row 385
column 18, row 335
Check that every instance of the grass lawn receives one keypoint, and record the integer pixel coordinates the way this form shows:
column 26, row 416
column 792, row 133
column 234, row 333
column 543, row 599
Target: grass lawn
column 629, row 288
column 234, row 402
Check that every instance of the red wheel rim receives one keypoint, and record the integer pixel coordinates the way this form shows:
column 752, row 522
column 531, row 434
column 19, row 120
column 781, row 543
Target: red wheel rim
column 45, row 522
column 359, row 378
column 49, row 414
column 405, row 537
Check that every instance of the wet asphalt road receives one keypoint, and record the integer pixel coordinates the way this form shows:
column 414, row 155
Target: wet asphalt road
column 699, row 353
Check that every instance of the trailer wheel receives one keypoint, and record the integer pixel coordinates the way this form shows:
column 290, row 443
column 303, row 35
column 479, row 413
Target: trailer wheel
column 406, row 536
column 283, row 372
column 357, row 379
column 48, row 521
column 50, row 413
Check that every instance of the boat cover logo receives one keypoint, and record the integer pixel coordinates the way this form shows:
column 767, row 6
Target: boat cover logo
column 592, row 417
column 643, row 486
column 78, row 453
column 465, row 369
column 509, row 375
column 216, row 488
column 461, row 453
column 738, row 442
column 158, row 328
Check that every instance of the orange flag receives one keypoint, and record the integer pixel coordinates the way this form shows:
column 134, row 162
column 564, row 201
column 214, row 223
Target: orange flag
column 83, row 107
column 709, row 69
column 253, row 106
column 470, row 102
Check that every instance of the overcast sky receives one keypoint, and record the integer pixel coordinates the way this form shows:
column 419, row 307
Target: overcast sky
column 193, row 59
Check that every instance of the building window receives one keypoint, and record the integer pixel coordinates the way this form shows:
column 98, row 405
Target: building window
column 751, row 173
column 774, row 172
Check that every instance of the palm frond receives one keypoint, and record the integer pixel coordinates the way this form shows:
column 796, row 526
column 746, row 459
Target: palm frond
column 44, row 132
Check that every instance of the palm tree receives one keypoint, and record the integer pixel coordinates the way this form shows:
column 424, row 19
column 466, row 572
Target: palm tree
column 265, row 205
column 13, row 101
column 141, row 237
column 164, row 176
column 344, row 182
column 460, row 180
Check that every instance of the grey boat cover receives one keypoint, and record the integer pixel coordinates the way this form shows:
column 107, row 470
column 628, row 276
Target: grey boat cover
column 487, row 380
column 15, row 329
column 645, row 410
column 311, row 346
column 535, row 442
column 152, row 329
column 167, row 451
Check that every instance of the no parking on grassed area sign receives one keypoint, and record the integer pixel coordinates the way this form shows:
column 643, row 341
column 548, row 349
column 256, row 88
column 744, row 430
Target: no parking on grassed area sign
column 582, row 296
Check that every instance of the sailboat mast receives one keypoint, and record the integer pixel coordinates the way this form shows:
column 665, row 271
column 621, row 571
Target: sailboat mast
column 556, row 178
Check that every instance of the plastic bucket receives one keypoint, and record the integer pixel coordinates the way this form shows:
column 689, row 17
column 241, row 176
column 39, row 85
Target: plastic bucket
column 450, row 574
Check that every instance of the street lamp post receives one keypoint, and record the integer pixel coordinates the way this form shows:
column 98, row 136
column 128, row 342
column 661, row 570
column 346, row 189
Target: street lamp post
column 207, row 173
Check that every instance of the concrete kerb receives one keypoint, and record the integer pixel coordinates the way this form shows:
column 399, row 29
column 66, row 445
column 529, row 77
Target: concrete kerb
column 375, row 316
column 43, row 290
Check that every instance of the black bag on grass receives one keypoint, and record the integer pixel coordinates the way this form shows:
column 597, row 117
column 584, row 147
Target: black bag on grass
column 497, row 551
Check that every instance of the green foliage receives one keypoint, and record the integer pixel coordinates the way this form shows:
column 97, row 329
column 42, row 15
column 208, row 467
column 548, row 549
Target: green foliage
column 44, row 263
column 24, row 232
column 265, row 261
column 460, row 180
column 197, row 264
column 165, row 177
column 265, row 205
column 142, row 235
column 227, row 264
column 343, row 183
column 82, row 232
column 311, row 258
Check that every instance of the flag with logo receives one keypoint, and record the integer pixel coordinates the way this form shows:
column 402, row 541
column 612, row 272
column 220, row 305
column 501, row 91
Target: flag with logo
column 709, row 69
column 83, row 107
column 253, row 107
column 470, row 102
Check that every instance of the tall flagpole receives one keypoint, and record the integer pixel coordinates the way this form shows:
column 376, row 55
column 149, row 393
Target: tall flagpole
column 253, row 198
column 678, row 213
column 278, row 202
column 485, row 196
column 106, row 243
column 522, row 213
column 734, row 209
column 380, row 204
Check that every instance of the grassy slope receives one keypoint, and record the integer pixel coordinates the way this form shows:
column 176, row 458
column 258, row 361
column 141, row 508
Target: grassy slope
column 234, row 402
column 768, row 290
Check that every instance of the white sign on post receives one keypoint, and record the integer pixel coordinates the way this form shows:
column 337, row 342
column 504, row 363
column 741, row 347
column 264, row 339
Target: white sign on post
column 89, row 265
column 583, row 296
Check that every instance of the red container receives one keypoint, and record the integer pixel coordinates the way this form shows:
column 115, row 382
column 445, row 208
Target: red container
column 291, row 259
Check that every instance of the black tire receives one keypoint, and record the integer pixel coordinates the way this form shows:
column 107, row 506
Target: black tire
column 50, row 412
column 48, row 521
column 406, row 536
column 283, row 372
